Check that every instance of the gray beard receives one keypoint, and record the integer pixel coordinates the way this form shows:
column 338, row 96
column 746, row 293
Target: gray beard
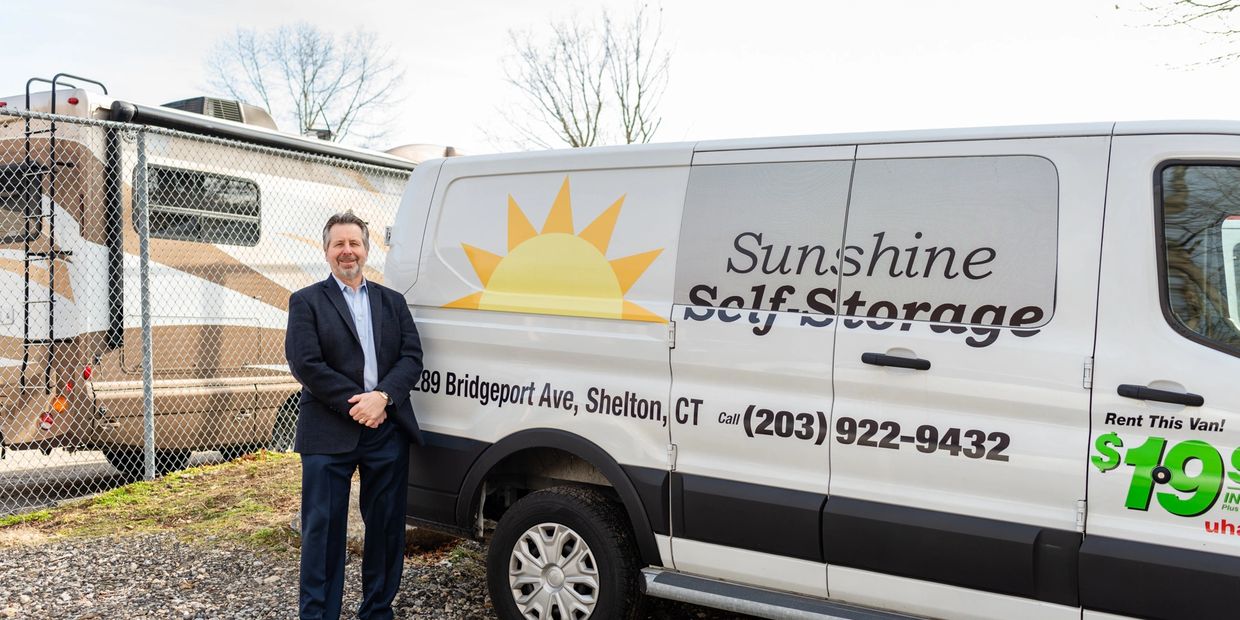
column 351, row 273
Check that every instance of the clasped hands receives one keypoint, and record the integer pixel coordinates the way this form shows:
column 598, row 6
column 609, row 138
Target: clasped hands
column 369, row 408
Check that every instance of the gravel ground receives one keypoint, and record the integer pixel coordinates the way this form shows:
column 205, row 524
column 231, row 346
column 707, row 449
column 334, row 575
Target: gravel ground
column 159, row 577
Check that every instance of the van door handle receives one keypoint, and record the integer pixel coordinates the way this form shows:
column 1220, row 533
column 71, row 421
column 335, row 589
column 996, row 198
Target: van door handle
column 1140, row 392
column 882, row 359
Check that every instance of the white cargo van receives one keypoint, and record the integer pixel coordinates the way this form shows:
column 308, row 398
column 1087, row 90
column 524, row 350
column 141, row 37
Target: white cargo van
column 982, row 373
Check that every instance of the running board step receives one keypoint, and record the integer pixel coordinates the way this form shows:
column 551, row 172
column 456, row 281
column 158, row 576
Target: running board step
column 753, row 601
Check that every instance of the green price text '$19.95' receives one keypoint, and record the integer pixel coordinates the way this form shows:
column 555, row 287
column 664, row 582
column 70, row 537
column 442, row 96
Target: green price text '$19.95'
column 1153, row 463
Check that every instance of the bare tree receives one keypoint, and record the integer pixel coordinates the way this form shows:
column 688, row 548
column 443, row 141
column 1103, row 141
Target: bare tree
column 572, row 83
column 562, row 85
column 637, row 68
column 1212, row 17
column 326, row 85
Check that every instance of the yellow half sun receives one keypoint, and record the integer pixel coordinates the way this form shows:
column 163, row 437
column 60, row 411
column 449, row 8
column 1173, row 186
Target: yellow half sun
column 554, row 271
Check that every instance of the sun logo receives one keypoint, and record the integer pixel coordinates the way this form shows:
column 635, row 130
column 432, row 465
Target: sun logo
column 555, row 271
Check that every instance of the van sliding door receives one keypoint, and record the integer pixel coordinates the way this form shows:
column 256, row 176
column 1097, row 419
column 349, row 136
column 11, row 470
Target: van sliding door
column 967, row 318
column 751, row 372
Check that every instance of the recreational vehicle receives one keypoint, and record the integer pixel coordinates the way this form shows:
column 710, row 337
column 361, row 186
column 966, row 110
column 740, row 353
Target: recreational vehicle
column 235, row 214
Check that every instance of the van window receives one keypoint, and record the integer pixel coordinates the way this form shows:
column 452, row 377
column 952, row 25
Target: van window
column 1199, row 221
column 20, row 192
column 197, row 206
column 1232, row 281
column 583, row 243
column 763, row 236
column 956, row 240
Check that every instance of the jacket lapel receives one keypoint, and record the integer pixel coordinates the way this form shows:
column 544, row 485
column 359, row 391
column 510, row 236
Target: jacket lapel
column 332, row 290
column 376, row 320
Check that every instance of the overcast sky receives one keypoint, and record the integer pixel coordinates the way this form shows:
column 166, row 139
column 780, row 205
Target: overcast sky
column 739, row 68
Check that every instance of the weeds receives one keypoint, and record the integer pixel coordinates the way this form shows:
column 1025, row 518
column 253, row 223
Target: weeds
column 248, row 500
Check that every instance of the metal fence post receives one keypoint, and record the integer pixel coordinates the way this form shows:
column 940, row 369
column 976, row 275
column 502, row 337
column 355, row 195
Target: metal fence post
column 141, row 205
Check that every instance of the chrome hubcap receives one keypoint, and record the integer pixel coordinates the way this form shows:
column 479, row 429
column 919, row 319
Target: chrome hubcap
column 552, row 574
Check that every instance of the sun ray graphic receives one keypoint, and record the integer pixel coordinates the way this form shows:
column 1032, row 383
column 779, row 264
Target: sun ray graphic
column 554, row 271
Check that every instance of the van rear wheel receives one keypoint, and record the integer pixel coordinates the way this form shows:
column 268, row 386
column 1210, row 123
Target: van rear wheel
column 564, row 553
column 285, row 429
column 235, row 452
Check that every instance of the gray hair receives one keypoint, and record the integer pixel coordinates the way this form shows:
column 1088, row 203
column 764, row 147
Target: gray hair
column 346, row 217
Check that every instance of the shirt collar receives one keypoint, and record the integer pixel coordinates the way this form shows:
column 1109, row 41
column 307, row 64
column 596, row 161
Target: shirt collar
column 345, row 288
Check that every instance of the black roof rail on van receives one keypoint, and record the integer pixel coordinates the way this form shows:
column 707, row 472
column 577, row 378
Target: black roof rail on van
column 125, row 112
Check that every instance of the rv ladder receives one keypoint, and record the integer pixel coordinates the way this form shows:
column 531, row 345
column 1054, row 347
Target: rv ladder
column 35, row 221
column 34, row 226
column 35, row 217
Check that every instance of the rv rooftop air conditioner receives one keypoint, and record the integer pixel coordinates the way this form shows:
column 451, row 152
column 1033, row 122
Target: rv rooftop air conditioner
column 225, row 109
column 419, row 153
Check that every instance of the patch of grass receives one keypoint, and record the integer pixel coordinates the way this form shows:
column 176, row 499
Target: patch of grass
column 128, row 495
column 468, row 560
column 22, row 519
column 277, row 538
column 250, row 500
column 465, row 551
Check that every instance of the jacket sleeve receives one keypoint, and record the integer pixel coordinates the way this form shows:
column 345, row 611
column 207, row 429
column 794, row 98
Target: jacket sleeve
column 401, row 377
column 305, row 359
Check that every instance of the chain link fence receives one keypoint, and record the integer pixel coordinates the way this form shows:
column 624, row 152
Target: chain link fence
column 144, row 283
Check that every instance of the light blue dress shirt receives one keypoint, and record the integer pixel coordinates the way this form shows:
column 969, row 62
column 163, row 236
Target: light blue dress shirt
column 359, row 307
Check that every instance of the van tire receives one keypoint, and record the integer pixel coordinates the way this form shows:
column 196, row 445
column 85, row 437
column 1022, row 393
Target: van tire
column 131, row 462
column 231, row 453
column 285, row 429
column 578, row 515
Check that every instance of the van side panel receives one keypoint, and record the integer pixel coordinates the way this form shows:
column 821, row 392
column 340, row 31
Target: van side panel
column 542, row 300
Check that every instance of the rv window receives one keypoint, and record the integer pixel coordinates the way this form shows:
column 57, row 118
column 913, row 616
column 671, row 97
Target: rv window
column 1200, row 229
column 199, row 206
column 20, row 194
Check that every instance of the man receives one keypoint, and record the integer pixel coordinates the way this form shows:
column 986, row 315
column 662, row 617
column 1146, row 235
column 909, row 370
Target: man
column 354, row 348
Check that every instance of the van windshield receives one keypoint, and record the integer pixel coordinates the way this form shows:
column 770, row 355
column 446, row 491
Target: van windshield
column 1200, row 220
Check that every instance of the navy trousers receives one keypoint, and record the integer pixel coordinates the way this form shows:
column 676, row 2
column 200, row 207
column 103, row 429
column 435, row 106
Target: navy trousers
column 382, row 457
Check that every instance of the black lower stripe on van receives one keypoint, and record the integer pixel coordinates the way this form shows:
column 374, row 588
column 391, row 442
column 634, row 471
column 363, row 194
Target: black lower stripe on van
column 1155, row 581
column 435, row 474
column 981, row 554
column 652, row 487
column 748, row 516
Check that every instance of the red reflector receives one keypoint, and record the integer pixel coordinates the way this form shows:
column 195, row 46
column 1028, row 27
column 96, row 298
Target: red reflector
column 86, row 373
column 69, row 385
column 73, row 100
column 45, row 421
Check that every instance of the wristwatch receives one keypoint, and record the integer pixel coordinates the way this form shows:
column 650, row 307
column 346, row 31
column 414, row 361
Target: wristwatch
column 385, row 397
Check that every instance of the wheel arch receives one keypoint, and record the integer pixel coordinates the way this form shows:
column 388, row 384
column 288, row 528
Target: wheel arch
column 580, row 447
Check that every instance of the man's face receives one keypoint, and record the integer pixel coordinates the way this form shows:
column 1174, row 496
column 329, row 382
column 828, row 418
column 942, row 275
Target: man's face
column 346, row 252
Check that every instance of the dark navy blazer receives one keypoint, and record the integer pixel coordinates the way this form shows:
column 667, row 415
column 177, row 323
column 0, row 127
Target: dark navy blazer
column 325, row 355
